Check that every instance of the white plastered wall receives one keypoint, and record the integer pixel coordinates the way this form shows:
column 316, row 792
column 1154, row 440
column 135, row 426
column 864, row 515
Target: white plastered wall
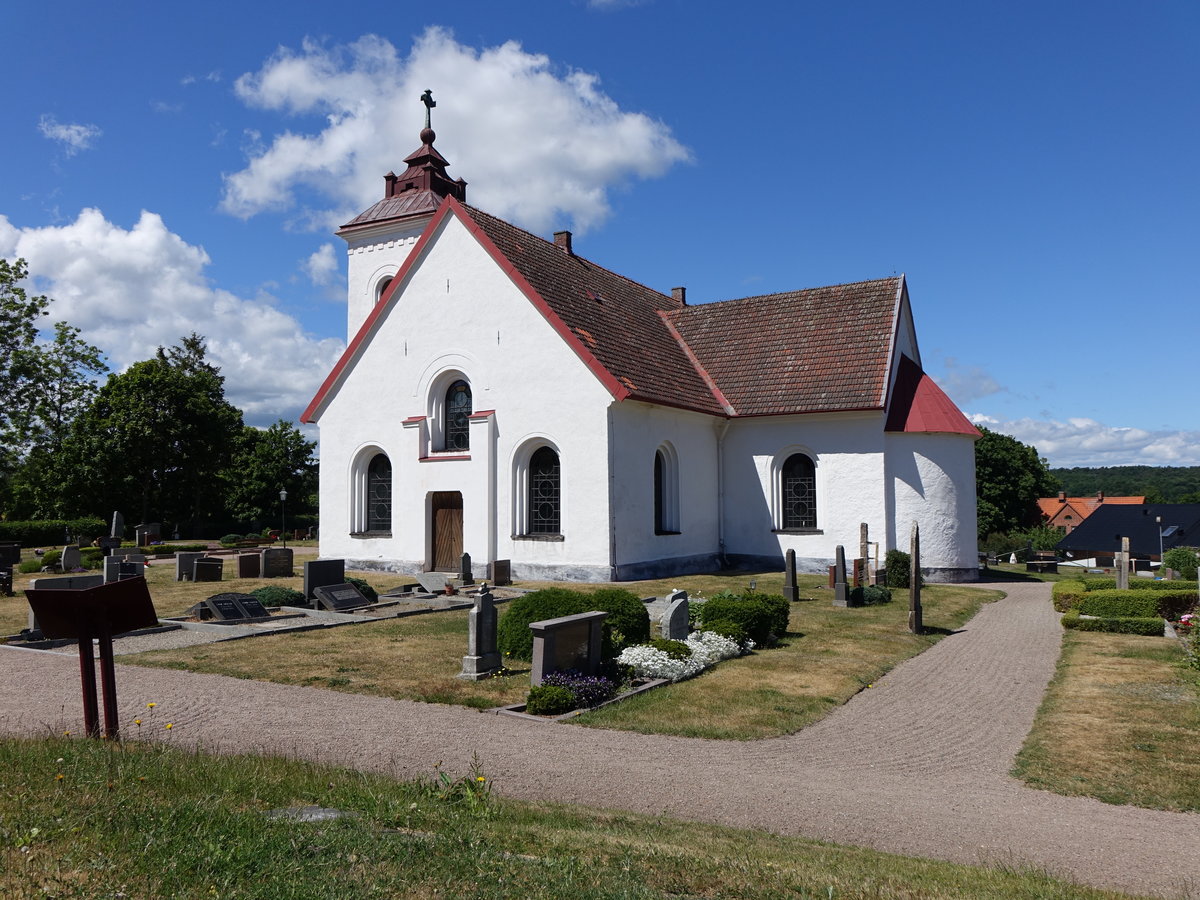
column 373, row 256
column 848, row 451
column 459, row 313
column 931, row 480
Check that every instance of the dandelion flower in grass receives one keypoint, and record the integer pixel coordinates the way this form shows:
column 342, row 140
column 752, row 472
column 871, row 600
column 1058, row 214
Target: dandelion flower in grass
column 59, row 777
column 170, row 726
column 481, row 778
column 137, row 721
column 151, row 705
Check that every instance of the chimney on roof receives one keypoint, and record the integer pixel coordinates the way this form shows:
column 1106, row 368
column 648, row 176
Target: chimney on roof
column 1100, row 496
column 1062, row 496
column 562, row 240
column 679, row 295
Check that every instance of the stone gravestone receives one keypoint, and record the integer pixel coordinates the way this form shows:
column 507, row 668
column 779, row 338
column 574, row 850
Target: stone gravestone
column 322, row 573
column 864, row 553
column 277, row 563
column 118, row 525
column 109, row 544
column 569, row 642
column 119, row 567
column 112, row 568
column 10, row 553
column 71, row 559
column 501, row 572
column 841, row 591
column 675, row 624
column 790, row 590
column 482, row 657
column 914, row 582
column 249, row 565
column 185, row 562
column 433, row 582
column 465, row 575
column 1122, row 565
column 226, row 606
column 253, row 607
column 207, row 568
column 340, row 597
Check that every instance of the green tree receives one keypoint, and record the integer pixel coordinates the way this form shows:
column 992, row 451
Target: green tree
column 266, row 461
column 44, row 386
column 155, row 441
column 1009, row 479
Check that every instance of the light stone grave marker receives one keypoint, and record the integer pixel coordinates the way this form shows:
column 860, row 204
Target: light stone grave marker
column 482, row 657
column 675, row 625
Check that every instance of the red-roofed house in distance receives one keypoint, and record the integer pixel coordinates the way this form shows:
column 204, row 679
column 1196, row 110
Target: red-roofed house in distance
column 1065, row 513
column 505, row 396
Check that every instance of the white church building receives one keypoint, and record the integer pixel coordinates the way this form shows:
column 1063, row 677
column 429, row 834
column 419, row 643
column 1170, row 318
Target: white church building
column 504, row 396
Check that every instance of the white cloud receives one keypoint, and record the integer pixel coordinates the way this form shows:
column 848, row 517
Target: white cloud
column 536, row 143
column 322, row 266
column 134, row 290
column 966, row 383
column 1086, row 442
column 73, row 137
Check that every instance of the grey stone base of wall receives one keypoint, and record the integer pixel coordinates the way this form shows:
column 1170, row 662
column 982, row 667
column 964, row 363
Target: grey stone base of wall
column 950, row 576
column 806, row 565
column 543, row 572
column 666, row 568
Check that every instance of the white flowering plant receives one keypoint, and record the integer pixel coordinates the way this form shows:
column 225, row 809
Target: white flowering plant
column 708, row 648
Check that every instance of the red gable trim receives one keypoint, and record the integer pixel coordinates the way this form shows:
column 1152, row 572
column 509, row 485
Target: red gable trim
column 919, row 405
column 606, row 378
column 703, row 373
column 377, row 313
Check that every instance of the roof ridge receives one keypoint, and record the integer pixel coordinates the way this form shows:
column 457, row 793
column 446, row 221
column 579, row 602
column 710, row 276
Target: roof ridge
column 573, row 255
column 777, row 294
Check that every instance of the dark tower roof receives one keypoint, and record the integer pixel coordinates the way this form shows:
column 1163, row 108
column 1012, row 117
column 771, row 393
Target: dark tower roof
column 418, row 191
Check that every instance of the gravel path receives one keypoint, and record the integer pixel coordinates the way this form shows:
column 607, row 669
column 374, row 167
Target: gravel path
column 915, row 765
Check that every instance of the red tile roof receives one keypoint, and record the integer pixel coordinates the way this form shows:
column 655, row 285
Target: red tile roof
column 919, row 405
column 816, row 350
column 819, row 350
column 1083, row 506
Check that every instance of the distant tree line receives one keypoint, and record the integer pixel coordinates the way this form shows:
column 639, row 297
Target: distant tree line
column 1159, row 484
column 159, row 441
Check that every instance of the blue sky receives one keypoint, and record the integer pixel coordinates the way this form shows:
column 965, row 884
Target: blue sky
column 1031, row 167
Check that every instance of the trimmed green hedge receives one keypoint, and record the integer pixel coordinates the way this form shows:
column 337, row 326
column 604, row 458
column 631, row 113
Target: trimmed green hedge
column 1166, row 603
column 628, row 621
column 171, row 548
column 870, row 595
column 277, row 595
column 1116, row 625
column 753, row 616
column 50, row 531
column 1067, row 594
column 1121, row 604
column 513, row 637
column 1098, row 582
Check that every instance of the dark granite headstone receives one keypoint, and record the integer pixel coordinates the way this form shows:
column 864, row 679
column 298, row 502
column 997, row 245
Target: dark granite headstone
column 253, row 607
column 10, row 553
column 841, row 591
column 226, row 606
column 109, row 544
column 341, row 597
column 117, row 529
column 207, row 568
column 277, row 563
column 185, row 560
column 464, row 570
column 249, row 565
column 323, row 573
column 501, row 572
column 915, row 623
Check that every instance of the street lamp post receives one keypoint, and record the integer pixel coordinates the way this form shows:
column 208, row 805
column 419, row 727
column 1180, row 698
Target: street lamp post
column 283, row 515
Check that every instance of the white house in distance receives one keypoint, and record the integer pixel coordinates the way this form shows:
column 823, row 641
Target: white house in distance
column 504, row 396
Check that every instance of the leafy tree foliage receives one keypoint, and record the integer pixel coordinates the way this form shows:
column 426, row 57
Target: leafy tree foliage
column 44, row 386
column 157, row 438
column 1167, row 484
column 1009, row 479
column 263, row 463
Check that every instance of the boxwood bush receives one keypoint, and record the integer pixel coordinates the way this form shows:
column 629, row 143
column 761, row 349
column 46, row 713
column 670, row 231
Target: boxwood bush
column 1169, row 604
column 870, row 595
column 777, row 605
column 513, row 637
column 277, row 595
column 755, row 618
column 673, row 649
column 628, row 621
column 549, row 700
column 228, row 540
column 1134, row 604
column 1098, row 582
column 1151, row 627
column 898, row 566
column 727, row 628
column 1067, row 594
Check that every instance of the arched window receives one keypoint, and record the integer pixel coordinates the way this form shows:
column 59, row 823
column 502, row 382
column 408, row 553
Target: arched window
column 798, row 493
column 379, row 494
column 458, row 416
column 666, row 490
column 381, row 286
column 545, row 493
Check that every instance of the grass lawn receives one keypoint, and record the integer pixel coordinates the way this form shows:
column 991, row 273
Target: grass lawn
column 1120, row 722
column 829, row 656
column 81, row 818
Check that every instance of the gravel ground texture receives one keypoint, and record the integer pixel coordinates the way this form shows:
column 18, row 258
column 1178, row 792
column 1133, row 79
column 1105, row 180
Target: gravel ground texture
column 917, row 764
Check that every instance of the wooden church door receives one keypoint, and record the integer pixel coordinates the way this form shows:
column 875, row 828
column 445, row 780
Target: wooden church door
column 447, row 519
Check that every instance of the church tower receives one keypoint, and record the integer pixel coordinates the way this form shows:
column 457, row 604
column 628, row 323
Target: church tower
column 380, row 238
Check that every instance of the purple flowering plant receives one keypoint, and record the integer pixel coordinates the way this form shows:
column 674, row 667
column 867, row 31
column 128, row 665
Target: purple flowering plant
column 589, row 690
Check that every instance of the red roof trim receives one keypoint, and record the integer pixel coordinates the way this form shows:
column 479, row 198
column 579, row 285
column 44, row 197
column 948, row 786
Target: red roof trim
column 920, row 406
column 413, row 420
column 700, row 370
column 482, row 414
column 614, row 387
column 377, row 313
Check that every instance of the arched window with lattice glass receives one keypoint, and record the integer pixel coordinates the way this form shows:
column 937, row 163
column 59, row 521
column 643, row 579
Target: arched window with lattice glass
column 458, row 416
column 798, row 493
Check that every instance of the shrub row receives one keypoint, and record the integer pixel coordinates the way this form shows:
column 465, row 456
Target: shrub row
column 1121, row 604
column 869, row 595
column 1067, row 594
column 50, row 531
column 1116, row 625
column 763, row 618
column 1165, row 603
